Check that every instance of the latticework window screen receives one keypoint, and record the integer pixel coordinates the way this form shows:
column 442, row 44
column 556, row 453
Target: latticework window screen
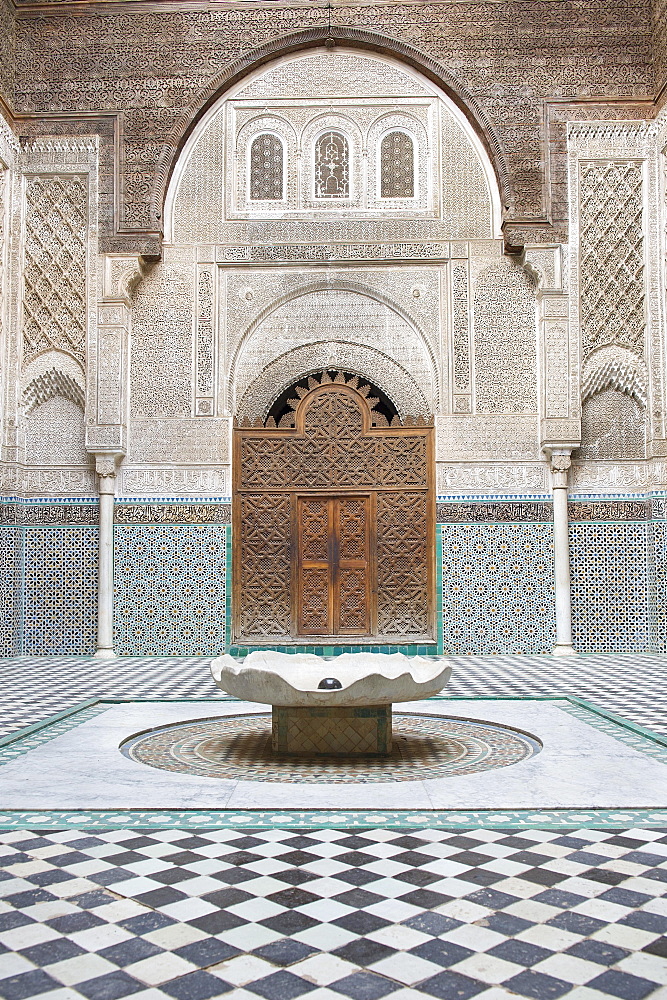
column 266, row 168
column 397, row 166
column 332, row 166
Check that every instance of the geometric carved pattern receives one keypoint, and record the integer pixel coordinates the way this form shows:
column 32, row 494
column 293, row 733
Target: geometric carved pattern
column 397, row 166
column 266, row 168
column 264, row 575
column 612, row 256
column 333, row 452
column 332, row 167
column 54, row 295
column 169, row 583
column 313, row 569
column 332, row 447
column 333, row 565
column 403, row 563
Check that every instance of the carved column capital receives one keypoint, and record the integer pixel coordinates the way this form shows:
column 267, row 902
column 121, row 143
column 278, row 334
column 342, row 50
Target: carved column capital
column 560, row 462
column 106, row 467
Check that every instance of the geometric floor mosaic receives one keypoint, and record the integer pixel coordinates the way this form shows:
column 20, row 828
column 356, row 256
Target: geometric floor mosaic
column 240, row 747
column 331, row 914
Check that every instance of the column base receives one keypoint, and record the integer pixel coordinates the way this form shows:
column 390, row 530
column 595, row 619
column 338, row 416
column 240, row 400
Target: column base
column 104, row 654
column 331, row 730
column 564, row 649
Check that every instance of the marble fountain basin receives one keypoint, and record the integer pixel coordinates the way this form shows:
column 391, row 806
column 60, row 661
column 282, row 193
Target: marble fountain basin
column 353, row 717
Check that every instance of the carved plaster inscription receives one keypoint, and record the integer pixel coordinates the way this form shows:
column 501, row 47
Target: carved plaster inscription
column 486, row 438
column 187, row 441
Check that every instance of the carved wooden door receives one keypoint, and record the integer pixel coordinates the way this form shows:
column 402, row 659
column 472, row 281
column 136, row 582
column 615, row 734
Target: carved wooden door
column 333, row 570
column 334, row 525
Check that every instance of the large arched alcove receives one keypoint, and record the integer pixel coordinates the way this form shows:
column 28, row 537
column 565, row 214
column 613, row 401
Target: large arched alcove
column 370, row 45
column 361, row 95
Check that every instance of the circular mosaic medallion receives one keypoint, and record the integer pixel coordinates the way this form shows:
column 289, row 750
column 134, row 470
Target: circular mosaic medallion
column 238, row 747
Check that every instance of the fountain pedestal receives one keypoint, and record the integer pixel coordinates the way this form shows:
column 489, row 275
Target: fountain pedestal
column 338, row 706
column 337, row 730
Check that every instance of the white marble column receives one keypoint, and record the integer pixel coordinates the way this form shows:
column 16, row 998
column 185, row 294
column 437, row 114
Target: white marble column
column 560, row 463
column 106, row 472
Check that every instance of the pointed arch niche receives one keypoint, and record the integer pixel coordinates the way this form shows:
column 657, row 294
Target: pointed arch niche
column 334, row 522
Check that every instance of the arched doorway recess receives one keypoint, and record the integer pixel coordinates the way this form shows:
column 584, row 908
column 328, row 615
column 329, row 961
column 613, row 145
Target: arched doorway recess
column 334, row 524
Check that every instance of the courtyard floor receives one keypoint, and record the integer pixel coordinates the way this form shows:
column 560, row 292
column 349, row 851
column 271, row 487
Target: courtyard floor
column 334, row 912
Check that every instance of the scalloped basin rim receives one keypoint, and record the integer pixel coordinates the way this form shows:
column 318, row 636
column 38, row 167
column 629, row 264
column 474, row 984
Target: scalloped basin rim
column 274, row 678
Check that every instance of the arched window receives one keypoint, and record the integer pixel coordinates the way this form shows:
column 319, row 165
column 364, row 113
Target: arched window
column 397, row 166
column 266, row 168
column 332, row 166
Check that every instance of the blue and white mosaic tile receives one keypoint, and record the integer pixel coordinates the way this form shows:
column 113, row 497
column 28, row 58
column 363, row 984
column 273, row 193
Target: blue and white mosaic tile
column 497, row 588
column 169, row 589
column 610, row 587
column 10, row 589
column 60, row 590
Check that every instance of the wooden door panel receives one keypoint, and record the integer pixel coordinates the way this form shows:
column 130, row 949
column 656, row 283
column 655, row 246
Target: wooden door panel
column 351, row 602
column 292, row 567
column 333, row 571
column 315, row 604
column 315, row 572
column 352, row 565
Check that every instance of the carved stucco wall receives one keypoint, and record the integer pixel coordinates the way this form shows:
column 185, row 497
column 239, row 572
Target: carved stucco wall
column 612, row 427
column 340, row 316
column 296, row 105
column 7, row 50
column 505, row 340
column 175, row 57
column 162, row 331
column 55, row 434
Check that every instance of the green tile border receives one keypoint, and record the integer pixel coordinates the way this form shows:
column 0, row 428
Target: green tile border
column 638, row 737
column 566, row 820
column 430, row 649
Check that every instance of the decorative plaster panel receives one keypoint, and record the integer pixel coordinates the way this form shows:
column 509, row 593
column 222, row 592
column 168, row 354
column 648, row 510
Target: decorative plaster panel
column 188, row 441
column 372, row 364
column 54, row 271
column 55, row 434
column 338, row 315
column 161, row 375
column 505, row 341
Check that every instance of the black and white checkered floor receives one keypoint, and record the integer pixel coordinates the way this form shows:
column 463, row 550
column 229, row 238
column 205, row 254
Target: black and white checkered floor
column 328, row 915
column 633, row 686
column 333, row 913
